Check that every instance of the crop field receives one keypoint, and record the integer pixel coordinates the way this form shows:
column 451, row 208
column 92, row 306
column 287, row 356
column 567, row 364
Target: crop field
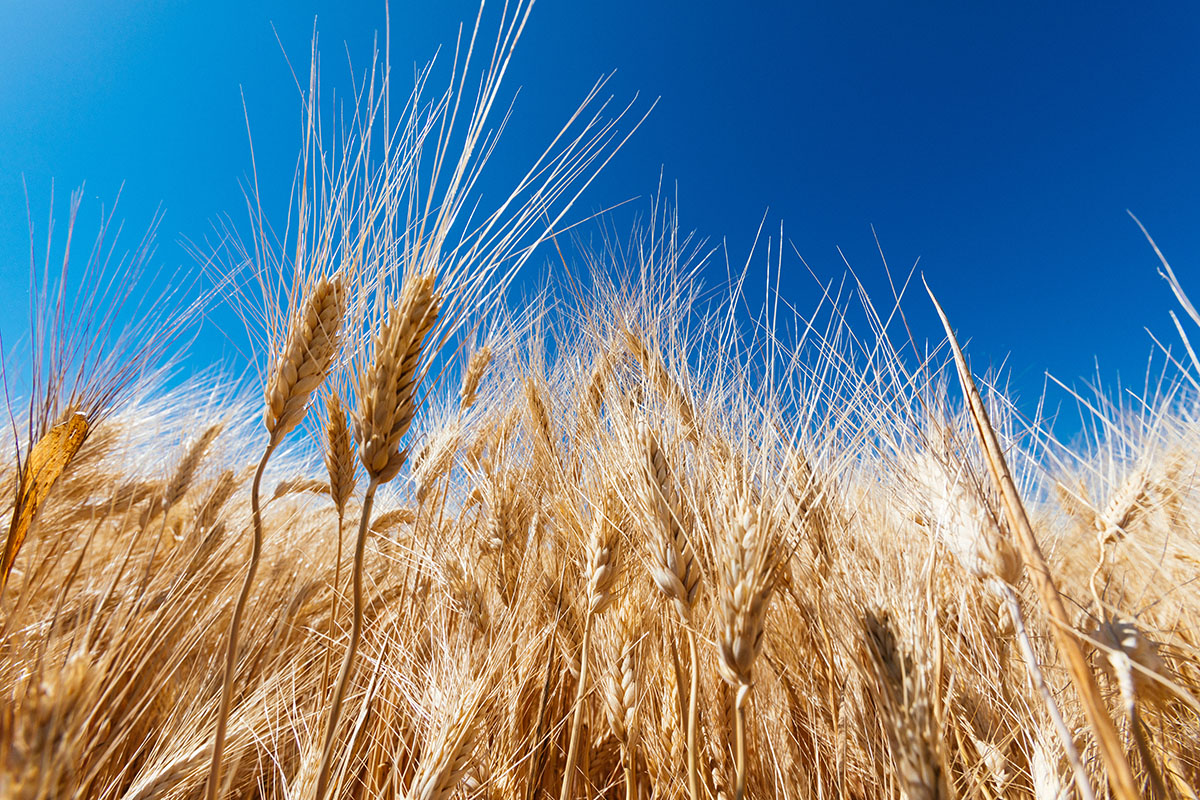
column 635, row 538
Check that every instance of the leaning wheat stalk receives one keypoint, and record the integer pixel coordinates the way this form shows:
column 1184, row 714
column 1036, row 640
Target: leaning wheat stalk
column 386, row 404
column 312, row 344
column 1120, row 775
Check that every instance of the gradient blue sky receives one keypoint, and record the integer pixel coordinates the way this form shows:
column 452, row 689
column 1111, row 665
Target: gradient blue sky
column 1001, row 143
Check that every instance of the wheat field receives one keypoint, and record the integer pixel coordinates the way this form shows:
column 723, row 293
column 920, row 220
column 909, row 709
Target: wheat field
column 628, row 539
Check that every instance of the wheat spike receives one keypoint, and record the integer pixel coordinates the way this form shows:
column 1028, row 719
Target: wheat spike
column 185, row 471
column 476, row 368
column 339, row 454
column 387, row 383
column 673, row 565
column 312, row 344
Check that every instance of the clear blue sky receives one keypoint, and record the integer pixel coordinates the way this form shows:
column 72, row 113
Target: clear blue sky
column 1001, row 143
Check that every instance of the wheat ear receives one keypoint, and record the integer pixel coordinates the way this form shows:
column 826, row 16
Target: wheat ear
column 386, row 405
column 47, row 460
column 748, row 581
column 312, row 344
column 339, row 463
column 902, row 690
column 599, row 574
column 620, row 696
column 476, row 368
column 676, row 574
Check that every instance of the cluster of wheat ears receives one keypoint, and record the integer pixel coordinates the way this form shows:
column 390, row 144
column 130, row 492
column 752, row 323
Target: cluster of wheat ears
column 625, row 541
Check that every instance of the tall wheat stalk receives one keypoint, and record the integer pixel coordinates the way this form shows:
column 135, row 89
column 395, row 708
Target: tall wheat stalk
column 386, row 404
column 312, row 344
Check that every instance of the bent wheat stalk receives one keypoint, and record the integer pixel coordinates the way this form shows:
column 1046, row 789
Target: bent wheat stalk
column 312, row 343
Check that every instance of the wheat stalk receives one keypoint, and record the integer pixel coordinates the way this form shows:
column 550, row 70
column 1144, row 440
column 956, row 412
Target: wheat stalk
column 748, row 581
column 599, row 573
column 476, row 368
column 387, row 384
column 621, row 695
column 1119, row 773
column 339, row 464
column 312, row 344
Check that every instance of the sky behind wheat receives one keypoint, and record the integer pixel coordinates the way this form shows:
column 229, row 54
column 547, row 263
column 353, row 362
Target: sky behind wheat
column 1000, row 144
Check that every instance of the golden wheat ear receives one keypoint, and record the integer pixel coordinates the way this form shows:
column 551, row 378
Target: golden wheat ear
column 94, row 340
column 47, row 461
column 312, row 344
column 309, row 351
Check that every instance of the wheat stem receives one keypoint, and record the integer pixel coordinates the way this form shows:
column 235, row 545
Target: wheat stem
column 1035, row 672
column 214, row 775
column 740, row 729
column 339, row 691
column 1120, row 775
column 333, row 614
column 577, row 716
column 693, row 723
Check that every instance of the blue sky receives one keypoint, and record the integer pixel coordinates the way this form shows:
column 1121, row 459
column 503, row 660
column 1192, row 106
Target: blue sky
column 999, row 143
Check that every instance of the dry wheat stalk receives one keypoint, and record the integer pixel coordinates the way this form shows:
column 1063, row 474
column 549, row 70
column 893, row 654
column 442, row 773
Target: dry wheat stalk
column 206, row 515
column 387, row 382
column 663, row 382
column 392, row 519
column 599, row 573
column 449, row 756
column 312, row 344
column 540, row 415
column 339, row 464
column 621, row 694
column 387, row 385
column 435, row 459
column 903, row 692
column 339, row 454
column 1120, row 774
column 675, row 572
column 47, row 460
column 185, row 471
column 673, row 564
